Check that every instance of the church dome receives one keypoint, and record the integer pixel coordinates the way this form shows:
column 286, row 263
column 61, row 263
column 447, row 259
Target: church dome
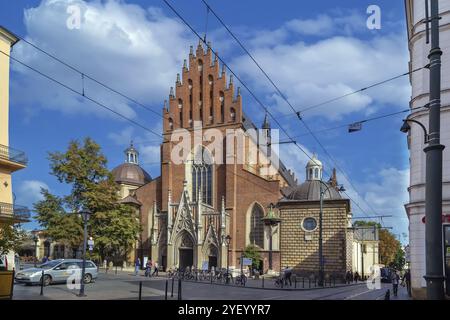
column 310, row 191
column 130, row 172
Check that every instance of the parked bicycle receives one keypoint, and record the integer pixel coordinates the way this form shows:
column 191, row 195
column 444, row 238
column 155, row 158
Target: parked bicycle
column 241, row 280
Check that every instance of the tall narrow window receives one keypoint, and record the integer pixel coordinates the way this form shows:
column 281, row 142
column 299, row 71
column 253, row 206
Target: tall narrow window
column 211, row 98
column 233, row 114
column 190, row 101
column 222, row 106
column 202, row 176
column 257, row 226
column 170, row 124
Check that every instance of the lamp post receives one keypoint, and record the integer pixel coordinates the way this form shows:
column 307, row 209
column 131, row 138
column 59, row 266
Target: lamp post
column 321, row 262
column 35, row 239
column 271, row 220
column 85, row 215
column 227, row 243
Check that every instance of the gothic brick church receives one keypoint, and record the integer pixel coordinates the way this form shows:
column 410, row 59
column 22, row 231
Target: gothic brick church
column 187, row 212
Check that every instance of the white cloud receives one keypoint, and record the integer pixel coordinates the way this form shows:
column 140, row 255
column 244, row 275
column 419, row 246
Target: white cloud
column 134, row 50
column 29, row 192
column 311, row 73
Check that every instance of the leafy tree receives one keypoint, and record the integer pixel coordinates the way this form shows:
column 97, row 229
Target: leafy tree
column 252, row 252
column 113, row 226
column 399, row 260
column 389, row 246
column 11, row 238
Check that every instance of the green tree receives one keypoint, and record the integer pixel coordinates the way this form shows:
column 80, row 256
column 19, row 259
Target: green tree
column 252, row 252
column 113, row 226
column 11, row 238
column 399, row 260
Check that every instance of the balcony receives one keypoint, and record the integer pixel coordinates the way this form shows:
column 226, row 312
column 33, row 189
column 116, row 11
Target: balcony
column 14, row 212
column 12, row 159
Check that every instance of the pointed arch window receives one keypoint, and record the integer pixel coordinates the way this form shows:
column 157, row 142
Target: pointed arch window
column 257, row 226
column 202, row 176
column 233, row 114
column 222, row 106
column 170, row 124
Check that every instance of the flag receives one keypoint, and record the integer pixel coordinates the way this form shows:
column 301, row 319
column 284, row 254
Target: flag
column 357, row 126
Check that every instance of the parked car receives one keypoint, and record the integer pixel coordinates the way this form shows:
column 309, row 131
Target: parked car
column 57, row 271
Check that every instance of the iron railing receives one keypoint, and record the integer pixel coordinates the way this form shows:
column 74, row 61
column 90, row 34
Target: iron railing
column 13, row 155
column 16, row 211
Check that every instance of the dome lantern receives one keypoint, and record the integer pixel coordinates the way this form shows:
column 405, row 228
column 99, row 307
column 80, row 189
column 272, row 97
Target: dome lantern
column 314, row 169
column 132, row 155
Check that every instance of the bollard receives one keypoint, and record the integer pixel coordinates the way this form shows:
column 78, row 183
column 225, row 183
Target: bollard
column 295, row 283
column 167, row 285
column 140, row 290
column 263, row 281
column 309, row 282
column 116, row 269
column 179, row 289
column 334, row 281
column 42, row 283
column 171, row 294
column 303, row 282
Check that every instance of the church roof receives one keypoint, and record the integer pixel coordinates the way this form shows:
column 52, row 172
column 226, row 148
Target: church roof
column 131, row 173
column 130, row 200
column 310, row 191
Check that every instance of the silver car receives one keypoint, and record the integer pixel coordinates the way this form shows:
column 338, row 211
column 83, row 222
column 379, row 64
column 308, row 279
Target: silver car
column 57, row 271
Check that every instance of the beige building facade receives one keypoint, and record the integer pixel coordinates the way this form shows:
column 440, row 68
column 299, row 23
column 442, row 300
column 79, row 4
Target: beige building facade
column 11, row 160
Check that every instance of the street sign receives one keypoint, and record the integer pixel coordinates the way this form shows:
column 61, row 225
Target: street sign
column 247, row 262
column 445, row 218
column 205, row 265
column 91, row 244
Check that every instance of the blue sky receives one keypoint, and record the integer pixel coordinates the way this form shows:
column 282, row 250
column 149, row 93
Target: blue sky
column 313, row 50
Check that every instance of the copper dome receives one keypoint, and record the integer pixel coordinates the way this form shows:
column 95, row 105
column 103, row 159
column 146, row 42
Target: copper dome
column 310, row 191
column 131, row 173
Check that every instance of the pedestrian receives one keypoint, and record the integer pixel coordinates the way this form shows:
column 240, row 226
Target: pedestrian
column 155, row 272
column 287, row 276
column 348, row 277
column 44, row 259
column 137, row 264
column 148, row 268
column 395, row 280
column 356, row 276
column 407, row 280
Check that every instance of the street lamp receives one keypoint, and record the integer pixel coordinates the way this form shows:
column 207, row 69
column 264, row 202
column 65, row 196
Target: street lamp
column 270, row 220
column 35, row 240
column 85, row 215
column 227, row 240
column 322, row 193
column 406, row 127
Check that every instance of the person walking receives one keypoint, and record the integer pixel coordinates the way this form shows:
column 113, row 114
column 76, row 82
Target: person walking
column 148, row 268
column 287, row 276
column 137, row 264
column 356, row 277
column 395, row 280
column 155, row 272
column 407, row 280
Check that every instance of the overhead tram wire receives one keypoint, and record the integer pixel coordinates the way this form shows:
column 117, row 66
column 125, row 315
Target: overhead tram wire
column 250, row 91
column 297, row 113
column 83, row 94
column 106, row 107
column 276, row 87
column 84, row 75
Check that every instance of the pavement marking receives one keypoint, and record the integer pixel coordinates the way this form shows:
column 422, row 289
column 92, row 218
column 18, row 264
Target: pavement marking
column 357, row 294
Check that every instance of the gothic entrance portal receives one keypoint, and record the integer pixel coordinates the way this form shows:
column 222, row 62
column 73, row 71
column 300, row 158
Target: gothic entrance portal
column 185, row 251
column 212, row 257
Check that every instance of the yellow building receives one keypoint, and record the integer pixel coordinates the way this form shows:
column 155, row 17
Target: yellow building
column 11, row 160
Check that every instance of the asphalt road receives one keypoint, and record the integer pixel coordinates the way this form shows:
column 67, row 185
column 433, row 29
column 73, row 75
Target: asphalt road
column 125, row 285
